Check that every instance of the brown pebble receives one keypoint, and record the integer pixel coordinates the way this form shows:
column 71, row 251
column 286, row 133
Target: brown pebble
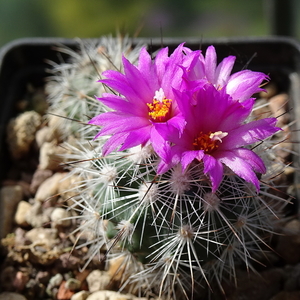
column 81, row 276
column 69, row 261
column 38, row 178
column 43, row 277
column 64, row 293
column 20, row 281
column 278, row 107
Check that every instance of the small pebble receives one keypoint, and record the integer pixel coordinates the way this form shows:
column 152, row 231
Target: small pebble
column 82, row 295
column 11, row 296
column 55, row 281
column 278, row 106
column 22, row 210
column 43, row 277
column 20, row 281
column 43, row 236
column 63, row 292
column 109, row 295
column 73, row 284
column 49, row 187
column 59, row 218
column 51, row 156
column 70, row 262
column 45, row 135
column 36, row 216
column 98, row 280
column 39, row 177
column 21, row 133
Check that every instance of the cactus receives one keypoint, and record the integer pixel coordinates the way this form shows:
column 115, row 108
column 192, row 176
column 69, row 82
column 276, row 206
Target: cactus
column 177, row 223
column 72, row 85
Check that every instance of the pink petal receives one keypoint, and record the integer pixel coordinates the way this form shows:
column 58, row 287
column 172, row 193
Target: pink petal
column 145, row 61
column 223, row 70
column 173, row 72
column 113, row 142
column 160, row 146
column 194, row 66
column 138, row 82
column 250, row 133
column 104, row 118
column 119, row 86
column 148, row 72
column 235, row 114
column 163, row 167
column 189, row 156
column 160, row 62
column 117, row 123
column 214, row 169
column 242, row 164
column 242, row 85
column 121, row 104
column 252, row 159
column 171, row 128
column 210, row 64
column 136, row 137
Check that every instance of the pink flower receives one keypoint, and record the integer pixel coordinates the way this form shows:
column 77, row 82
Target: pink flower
column 241, row 85
column 215, row 135
column 189, row 109
column 146, row 103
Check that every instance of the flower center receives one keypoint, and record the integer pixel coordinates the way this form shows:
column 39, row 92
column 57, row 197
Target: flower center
column 208, row 142
column 160, row 108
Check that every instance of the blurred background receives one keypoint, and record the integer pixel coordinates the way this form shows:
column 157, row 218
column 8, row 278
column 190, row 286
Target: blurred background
column 147, row 18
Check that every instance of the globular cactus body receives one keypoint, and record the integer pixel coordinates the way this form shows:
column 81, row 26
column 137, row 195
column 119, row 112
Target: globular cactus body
column 144, row 194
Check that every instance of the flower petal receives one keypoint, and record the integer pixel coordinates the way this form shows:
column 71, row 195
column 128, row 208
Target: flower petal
column 113, row 142
column 250, row 133
column 121, row 104
column 138, row 82
column 242, row 163
column 252, row 159
column 136, row 137
column 114, row 122
column 173, row 72
column 214, row 169
column 160, row 146
column 189, row 156
column 210, row 64
column 118, row 82
column 242, row 85
column 223, row 71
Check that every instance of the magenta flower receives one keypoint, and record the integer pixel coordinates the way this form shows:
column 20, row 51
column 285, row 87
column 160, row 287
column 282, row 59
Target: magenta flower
column 146, row 103
column 215, row 134
column 240, row 85
column 189, row 109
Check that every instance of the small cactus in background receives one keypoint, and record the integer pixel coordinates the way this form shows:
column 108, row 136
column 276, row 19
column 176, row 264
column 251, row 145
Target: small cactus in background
column 177, row 182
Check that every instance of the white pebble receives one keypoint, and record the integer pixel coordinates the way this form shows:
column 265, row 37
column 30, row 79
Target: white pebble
column 59, row 217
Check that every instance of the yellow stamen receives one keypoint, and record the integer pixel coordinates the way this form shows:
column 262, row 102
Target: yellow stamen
column 208, row 142
column 159, row 111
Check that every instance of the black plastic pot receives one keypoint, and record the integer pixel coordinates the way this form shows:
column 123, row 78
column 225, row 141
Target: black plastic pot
column 25, row 61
